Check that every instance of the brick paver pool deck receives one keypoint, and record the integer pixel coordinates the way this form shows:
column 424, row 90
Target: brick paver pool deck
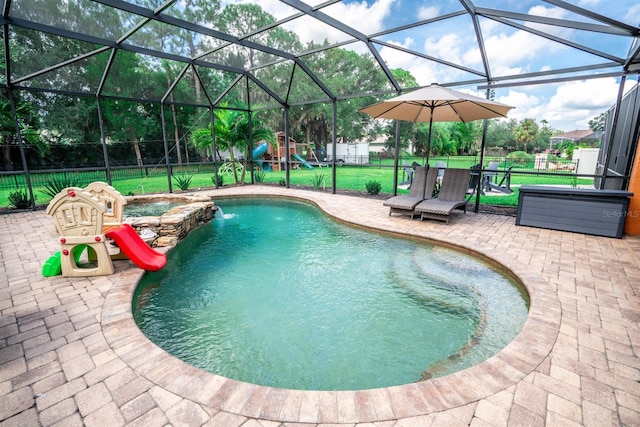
column 70, row 353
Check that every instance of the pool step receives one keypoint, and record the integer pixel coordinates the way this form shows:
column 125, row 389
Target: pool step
column 412, row 274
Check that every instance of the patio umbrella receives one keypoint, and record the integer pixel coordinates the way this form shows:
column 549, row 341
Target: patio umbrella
column 439, row 104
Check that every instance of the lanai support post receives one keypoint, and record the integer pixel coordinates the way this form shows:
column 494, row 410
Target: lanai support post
column 616, row 113
column 396, row 159
column 334, row 135
column 166, row 146
column 214, row 148
column 103, row 137
column 286, row 147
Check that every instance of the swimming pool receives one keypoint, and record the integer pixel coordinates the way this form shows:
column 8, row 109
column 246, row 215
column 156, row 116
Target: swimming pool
column 276, row 293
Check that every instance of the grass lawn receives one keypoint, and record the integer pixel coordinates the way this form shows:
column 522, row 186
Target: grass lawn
column 347, row 177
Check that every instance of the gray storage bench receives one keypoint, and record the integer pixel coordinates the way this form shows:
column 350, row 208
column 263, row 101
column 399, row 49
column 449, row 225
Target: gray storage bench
column 580, row 210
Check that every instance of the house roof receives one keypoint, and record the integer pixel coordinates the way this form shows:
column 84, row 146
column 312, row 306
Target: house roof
column 575, row 135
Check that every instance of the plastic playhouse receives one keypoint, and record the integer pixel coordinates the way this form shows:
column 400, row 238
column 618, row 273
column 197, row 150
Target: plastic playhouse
column 88, row 220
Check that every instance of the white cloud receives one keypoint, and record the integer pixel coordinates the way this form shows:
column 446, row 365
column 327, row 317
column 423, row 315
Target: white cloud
column 521, row 101
column 633, row 14
column 447, row 46
column 428, row 12
column 350, row 14
column 589, row 4
column 570, row 106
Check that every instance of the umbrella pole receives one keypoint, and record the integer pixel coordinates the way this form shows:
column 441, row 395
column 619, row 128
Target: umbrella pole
column 426, row 156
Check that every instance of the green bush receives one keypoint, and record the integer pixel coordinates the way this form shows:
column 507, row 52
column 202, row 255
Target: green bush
column 259, row 175
column 373, row 187
column 183, row 181
column 19, row 199
column 217, row 180
column 282, row 182
column 318, row 180
column 520, row 157
column 56, row 184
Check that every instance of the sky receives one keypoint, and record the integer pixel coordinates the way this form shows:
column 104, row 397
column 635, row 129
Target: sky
column 511, row 51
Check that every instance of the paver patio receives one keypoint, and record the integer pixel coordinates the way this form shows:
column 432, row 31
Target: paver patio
column 70, row 353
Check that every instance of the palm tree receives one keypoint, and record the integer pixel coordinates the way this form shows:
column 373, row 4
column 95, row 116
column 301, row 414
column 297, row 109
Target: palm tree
column 232, row 131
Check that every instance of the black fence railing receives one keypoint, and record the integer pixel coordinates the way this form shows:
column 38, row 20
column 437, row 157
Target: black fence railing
column 11, row 181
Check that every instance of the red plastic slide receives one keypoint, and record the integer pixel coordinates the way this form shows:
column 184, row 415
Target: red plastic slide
column 136, row 249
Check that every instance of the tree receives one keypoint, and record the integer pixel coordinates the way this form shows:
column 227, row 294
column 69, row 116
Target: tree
column 597, row 123
column 232, row 131
column 525, row 133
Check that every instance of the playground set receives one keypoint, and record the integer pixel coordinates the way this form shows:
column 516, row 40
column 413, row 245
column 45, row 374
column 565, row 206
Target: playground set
column 268, row 159
column 90, row 219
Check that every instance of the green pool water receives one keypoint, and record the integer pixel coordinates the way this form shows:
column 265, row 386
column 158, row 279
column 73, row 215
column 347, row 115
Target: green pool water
column 275, row 293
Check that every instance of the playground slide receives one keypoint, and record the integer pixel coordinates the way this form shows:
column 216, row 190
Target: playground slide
column 136, row 249
column 257, row 153
column 302, row 161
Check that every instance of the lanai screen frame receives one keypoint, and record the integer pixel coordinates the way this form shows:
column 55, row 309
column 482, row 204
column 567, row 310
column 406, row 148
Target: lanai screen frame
column 628, row 65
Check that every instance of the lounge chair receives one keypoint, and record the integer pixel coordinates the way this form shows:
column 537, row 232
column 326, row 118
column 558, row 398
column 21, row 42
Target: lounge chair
column 473, row 181
column 408, row 171
column 421, row 189
column 500, row 186
column 452, row 195
column 441, row 166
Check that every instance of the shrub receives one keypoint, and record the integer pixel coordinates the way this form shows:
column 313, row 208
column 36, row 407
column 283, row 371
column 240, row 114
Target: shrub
column 217, row 180
column 259, row 175
column 183, row 181
column 282, row 182
column 318, row 180
column 19, row 199
column 520, row 157
column 373, row 187
column 56, row 184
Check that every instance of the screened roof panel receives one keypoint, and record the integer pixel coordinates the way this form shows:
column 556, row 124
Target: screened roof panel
column 124, row 80
column 304, row 89
column 240, row 57
column 82, row 16
column 436, row 41
column 278, row 38
column 514, row 51
column 259, row 98
column 625, row 11
column 345, row 71
column 32, row 51
column 236, row 95
column 310, row 30
column 152, row 4
column 385, row 15
column 184, row 90
column 534, row 7
column 277, row 77
column 81, row 76
column 424, row 70
column 174, row 40
column 213, row 82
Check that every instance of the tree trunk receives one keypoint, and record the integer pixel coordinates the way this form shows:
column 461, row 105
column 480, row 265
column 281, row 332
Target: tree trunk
column 176, row 134
column 6, row 156
column 136, row 148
